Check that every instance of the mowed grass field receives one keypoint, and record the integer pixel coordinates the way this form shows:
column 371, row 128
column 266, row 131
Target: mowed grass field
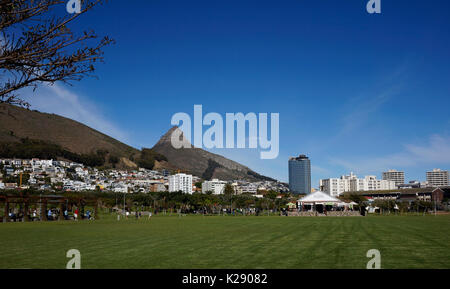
column 230, row 242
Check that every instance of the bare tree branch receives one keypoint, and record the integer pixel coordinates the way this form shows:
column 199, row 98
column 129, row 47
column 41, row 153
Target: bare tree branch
column 37, row 47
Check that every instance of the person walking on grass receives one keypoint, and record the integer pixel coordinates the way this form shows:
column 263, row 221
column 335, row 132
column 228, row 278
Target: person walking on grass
column 75, row 215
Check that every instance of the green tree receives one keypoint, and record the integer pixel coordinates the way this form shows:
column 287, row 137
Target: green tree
column 228, row 190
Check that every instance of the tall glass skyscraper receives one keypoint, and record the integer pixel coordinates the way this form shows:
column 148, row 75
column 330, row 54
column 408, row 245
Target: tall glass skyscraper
column 300, row 175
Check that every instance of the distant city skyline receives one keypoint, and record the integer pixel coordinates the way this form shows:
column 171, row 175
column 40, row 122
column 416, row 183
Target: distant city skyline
column 436, row 176
column 354, row 91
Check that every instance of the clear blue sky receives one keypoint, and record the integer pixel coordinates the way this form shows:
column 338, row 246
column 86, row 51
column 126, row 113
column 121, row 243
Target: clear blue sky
column 355, row 92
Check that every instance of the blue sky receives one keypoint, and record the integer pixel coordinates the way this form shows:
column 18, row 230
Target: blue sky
column 355, row 92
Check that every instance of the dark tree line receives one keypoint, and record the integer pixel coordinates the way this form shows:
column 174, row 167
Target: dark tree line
column 28, row 149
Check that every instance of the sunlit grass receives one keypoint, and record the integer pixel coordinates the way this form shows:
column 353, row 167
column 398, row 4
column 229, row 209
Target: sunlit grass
column 230, row 242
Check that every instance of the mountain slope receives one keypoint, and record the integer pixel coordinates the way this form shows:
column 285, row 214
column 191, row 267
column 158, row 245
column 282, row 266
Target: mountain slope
column 35, row 131
column 203, row 163
column 17, row 123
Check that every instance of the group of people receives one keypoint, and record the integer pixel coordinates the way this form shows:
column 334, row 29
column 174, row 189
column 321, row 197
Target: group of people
column 137, row 215
column 76, row 215
column 52, row 215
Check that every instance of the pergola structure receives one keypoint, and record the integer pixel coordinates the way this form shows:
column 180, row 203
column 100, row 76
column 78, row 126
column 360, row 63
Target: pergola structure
column 44, row 201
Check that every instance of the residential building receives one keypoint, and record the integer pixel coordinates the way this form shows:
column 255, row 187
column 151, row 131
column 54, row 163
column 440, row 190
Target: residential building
column 9, row 170
column 247, row 189
column 350, row 183
column 410, row 185
column 393, row 175
column 120, row 188
column 215, row 186
column 165, row 173
column 371, row 183
column 336, row 186
column 438, row 178
column 300, row 175
column 158, row 187
column 180, row 182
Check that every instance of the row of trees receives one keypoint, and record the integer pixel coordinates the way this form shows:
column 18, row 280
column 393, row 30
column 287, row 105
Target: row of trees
column 31, row 148
column 212, row 204
column 392, row 206
column 28, row 149
column 195, row 203
column 176, row 201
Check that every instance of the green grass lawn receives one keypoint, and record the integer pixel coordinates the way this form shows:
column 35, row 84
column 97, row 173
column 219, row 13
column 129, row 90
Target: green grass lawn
column 230, row 242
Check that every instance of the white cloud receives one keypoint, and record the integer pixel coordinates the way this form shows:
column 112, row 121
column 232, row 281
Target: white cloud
column 435, row 152
column 362, row 111
column 59, row 100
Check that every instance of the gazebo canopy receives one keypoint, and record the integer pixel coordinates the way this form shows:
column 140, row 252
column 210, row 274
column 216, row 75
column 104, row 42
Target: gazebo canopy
column 319, row 197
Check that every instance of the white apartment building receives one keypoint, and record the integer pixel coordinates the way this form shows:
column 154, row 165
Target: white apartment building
column 247, row 189
column 215, row 186
column 438, row 177
column 393, row 175
column 335, row 186
column 180, row 182
column 350, row 183
column 371, row 183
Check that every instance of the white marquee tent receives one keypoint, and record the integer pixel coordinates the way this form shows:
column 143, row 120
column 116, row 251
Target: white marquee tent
column 318, row 198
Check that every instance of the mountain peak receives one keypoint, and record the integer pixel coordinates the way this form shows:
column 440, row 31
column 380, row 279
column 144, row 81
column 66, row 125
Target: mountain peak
column 202, row 163
column 166, row 139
